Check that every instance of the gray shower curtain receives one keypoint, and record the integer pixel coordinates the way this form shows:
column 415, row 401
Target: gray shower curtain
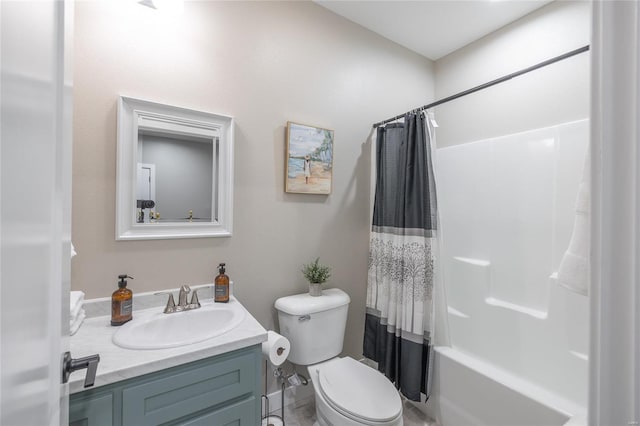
column 399, row 316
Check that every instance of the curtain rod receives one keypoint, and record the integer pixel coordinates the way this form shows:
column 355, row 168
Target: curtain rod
column 489, row 84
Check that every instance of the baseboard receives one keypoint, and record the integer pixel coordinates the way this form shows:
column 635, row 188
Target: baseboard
column 293, row 396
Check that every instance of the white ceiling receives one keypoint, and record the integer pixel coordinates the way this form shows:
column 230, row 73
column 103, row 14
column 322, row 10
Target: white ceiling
column 432, row 28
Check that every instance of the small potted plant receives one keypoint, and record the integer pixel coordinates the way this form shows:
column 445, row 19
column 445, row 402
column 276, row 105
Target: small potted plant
column 316, row 274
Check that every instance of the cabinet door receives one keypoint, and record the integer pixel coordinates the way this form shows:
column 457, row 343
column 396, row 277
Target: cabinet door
column 239, row 414
column 95, row 411
column 200, row 389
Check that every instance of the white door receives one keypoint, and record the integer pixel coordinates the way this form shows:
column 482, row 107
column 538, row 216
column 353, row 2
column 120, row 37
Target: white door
column 146, row 188
column 35, row 204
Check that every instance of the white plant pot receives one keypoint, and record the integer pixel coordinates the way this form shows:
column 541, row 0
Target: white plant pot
column 315, row 289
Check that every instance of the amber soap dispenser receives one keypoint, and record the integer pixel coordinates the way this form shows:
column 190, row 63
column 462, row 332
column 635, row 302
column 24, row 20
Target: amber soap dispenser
column 122, row 302
column 222, row 285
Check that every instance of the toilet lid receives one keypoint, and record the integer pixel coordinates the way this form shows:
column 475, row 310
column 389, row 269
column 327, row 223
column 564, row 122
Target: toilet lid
column 359, row 391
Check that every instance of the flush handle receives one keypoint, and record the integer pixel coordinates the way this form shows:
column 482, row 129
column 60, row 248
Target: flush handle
column 304, row 318
column 69, row 365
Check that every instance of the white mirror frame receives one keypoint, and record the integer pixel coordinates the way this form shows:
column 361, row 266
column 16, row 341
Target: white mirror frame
column 135, row 113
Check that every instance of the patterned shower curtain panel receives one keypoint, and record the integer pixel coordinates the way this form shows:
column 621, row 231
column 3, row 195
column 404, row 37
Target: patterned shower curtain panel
column 399, row 316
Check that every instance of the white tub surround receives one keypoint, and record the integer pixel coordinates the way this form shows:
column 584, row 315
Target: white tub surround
column 116, row 363
column 507, row 207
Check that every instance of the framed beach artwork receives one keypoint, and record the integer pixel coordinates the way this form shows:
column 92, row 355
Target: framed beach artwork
column 309, row 159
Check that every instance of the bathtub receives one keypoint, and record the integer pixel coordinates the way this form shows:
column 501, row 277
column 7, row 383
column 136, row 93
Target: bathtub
column 468, row 391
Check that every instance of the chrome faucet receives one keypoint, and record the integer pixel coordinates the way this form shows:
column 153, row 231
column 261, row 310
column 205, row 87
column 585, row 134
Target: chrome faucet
column 182, row 300
column 182, row 297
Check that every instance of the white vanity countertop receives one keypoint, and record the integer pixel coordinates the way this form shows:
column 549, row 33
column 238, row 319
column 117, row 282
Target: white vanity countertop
column 116, row 363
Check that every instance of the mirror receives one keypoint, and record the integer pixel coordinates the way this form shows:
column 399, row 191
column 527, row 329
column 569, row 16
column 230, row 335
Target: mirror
column 174, row 172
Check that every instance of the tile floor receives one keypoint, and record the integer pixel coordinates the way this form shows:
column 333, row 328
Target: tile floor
column 305, row 415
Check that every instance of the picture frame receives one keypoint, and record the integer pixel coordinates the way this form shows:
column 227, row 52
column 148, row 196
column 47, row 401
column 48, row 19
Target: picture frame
column 309, row 159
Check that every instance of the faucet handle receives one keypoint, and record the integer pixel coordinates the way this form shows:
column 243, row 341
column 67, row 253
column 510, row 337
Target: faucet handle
column 171, row 304
column 195, row 303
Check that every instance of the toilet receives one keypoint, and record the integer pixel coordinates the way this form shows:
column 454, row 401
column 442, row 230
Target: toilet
column 347, row 392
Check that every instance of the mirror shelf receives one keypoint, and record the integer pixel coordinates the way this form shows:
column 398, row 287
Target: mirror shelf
column 174, row 172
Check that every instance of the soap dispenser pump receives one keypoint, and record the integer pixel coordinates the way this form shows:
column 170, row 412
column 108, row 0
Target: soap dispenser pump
column 221, row 285
column 121, row 302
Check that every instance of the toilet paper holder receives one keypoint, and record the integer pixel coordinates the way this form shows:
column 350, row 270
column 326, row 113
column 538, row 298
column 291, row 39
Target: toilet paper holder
column 278, row 372
column 275, row 350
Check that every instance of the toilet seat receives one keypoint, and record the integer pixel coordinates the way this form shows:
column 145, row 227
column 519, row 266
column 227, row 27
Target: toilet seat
column 359, row 392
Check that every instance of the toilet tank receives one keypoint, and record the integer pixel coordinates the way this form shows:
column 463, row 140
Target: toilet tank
column 314, row 325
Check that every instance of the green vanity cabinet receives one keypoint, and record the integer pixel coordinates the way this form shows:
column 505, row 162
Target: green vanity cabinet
column 93, row 410
column 217, row 391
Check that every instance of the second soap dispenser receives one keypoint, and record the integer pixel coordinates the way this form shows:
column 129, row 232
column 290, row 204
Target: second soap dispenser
column 221, row 285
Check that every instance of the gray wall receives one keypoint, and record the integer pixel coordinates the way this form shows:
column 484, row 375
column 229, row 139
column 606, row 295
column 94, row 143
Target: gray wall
column 552, row 95
column 264, row 63
column 183, row 175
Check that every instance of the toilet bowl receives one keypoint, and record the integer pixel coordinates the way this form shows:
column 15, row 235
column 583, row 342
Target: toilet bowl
column 347, row 392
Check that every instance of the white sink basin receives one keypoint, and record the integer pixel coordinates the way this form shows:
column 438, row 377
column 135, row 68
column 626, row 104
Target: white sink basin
column 153, row 329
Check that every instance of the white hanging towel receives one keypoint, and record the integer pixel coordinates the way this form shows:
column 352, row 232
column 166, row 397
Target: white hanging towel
column 76, row 300
column 75, row 325
column 574, row 267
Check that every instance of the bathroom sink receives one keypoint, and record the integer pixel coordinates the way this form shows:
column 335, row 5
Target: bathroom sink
column 153, row 329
